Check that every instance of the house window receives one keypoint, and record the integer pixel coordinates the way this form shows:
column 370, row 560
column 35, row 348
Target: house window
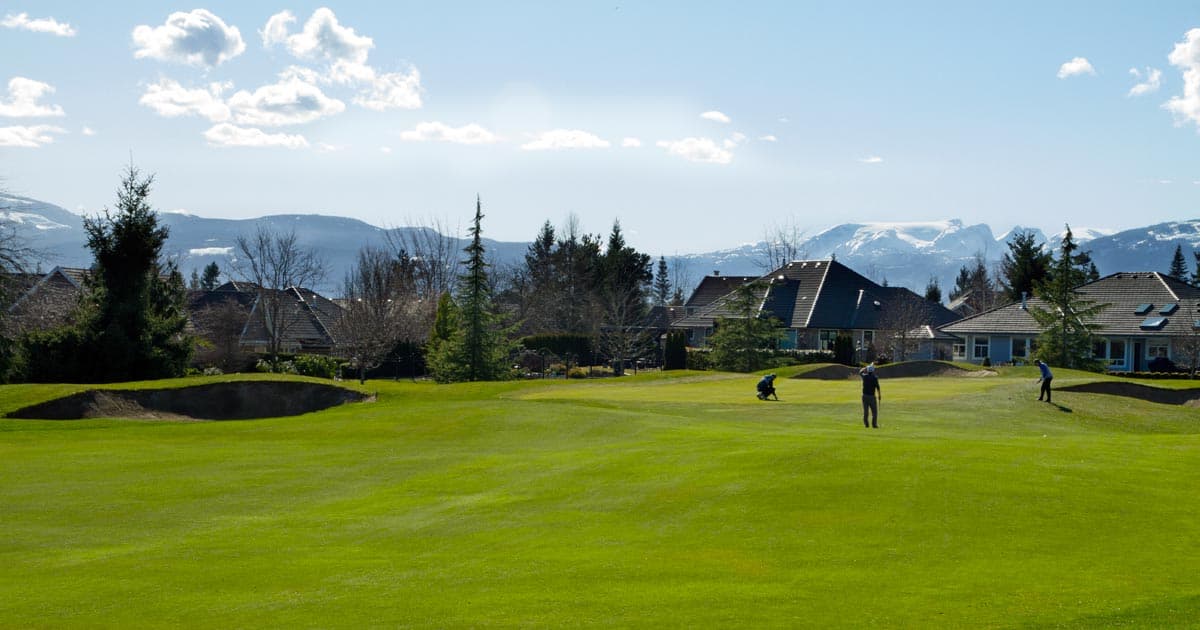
column 960, row 350
column 1020, row 348
column 1157, row 350
column 1099, row 349
column 825, row 339
column 868, row 338
column 1116, row 353
column 981, row 348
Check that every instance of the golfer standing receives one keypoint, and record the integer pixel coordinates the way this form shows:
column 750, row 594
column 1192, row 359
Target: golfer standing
column 1045, row 379
column 870, row 385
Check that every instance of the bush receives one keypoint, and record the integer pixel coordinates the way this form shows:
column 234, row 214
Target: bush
column 675, row 354
column 698, row 359
column 561, row 344
column 316, row 365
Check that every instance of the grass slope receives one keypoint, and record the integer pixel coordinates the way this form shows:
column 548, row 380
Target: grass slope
column 654, row 501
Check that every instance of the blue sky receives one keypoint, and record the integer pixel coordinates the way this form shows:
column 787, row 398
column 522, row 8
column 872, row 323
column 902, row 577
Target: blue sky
column 697, row 125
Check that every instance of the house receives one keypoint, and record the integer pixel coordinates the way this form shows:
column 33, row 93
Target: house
column 816, row 300
column 44, row 302
column 1147, row 314
column 309, row 320
column 230, row 318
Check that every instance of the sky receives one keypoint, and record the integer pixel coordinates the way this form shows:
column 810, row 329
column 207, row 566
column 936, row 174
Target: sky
column 697, row 125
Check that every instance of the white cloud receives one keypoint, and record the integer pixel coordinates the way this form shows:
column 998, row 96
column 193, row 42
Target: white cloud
column 1186, row 57
column 323, row 38
column 29, row 137
column 88, row 131
column 325, row 147
column 385, row 150
column 768, row 138
column 210, row 251
column 735, row 139
column 872, row 159
column 439, row 132
column 227, row 135
column 631, row 143
column 169, row 98
column 289, row 102
column 23, row 97
column 716, row 116
column 565, row 139
column 276, row 29
column 1075, row 67
column 784, row 120
column 38, row 25
column 697, row 150
column 393, row 90
column 195, row 38
column 1151, row 84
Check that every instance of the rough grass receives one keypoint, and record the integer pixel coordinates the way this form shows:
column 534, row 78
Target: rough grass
column 657, row 501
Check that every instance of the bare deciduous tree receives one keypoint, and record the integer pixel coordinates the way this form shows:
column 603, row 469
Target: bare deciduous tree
column 381, row 309
column 783, row 242
column 433, row 251
column 275, row 262
column 901, row 321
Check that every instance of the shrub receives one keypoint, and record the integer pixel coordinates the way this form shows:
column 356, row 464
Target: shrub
column 698, row 360
column 316, row 365
column 675, row 355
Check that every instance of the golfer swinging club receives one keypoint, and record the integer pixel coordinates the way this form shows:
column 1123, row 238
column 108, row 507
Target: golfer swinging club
column 1045, row 379
column 870, row 385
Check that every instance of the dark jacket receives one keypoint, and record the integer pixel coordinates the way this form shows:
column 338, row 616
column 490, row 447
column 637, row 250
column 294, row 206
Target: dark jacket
column 870, row 384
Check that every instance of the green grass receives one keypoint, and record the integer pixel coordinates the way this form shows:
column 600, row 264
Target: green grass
column 650, row 501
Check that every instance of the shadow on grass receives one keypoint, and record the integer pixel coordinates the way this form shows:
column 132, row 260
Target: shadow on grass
column 1062, row 408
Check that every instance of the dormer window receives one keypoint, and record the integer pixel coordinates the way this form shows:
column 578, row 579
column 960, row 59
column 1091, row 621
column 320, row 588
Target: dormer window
column 1168, row 309
column 1142, row 309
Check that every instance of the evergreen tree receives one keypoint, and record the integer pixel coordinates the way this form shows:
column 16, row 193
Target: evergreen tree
column 444, row 343
column 1069, row 320
column 1178, row 268
column 133, row 326
column 1024, row 265
column 212, row 275
column 480, row 349
column 933, row 291
column 1196, row 274
column 662, row 283
column 576, row 258
column 742, row 343
column 195, row 283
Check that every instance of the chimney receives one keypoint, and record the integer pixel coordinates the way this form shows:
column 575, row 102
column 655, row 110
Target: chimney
column 716, row 272
column 1024, row 307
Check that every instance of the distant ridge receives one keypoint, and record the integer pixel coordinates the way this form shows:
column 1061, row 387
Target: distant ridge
column 900, row 253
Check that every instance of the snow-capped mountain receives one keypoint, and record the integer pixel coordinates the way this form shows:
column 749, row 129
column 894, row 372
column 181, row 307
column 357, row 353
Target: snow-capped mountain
column 902, row 254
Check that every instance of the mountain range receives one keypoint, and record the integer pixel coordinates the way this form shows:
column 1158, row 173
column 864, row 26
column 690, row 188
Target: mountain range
column 902, row 254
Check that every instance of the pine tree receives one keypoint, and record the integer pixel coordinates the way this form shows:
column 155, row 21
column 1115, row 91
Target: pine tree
column 933, row 291
column 662, row 283
column 742, row 342
column 1024, row 265
column 1178, row 268
column 212, row 275
column 135, row 326
column 479, row 350
column 1069, row 321
column 195, row 282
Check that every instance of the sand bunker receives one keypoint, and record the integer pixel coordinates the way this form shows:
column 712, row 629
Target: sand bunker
column 1189, row 397
column 218, row 401
column 907, row 369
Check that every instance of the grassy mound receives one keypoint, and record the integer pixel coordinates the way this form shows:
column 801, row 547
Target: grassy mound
column 656, row 501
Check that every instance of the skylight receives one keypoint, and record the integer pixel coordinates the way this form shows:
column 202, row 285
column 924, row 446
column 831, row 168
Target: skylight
column 1154, row 323
column 1142, row 309
column 1168, row 309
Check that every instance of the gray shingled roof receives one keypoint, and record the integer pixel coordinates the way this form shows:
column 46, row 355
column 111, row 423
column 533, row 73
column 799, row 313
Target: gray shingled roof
column 820, row 294
column 713, row 287
column 1123, row 292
